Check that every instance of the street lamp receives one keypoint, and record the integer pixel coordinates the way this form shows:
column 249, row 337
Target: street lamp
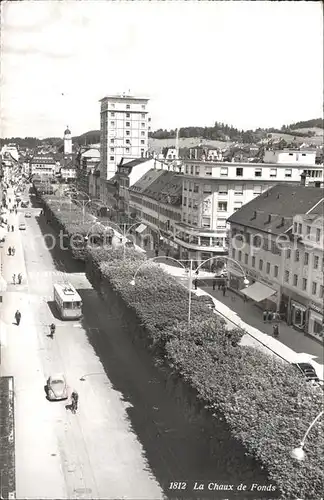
column 298, row 453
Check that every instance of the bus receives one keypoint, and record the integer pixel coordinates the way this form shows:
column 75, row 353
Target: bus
column 68, row 301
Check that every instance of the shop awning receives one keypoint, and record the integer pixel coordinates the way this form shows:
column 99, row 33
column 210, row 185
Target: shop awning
column 258, row 291
column 140, row 228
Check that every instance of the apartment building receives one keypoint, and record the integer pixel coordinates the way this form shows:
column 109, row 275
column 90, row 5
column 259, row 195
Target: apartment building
column 301, row 157
column 87, row 159
column 277, row 242
column 155, row 199
column 42, row 165
column 124, row 127
column 213, row 191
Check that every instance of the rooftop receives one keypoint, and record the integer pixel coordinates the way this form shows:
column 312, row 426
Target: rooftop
column 273, row 211
column 161, row 185
column 124, row 96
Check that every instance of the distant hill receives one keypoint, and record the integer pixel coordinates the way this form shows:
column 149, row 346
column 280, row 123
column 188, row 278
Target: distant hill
column 315, row 123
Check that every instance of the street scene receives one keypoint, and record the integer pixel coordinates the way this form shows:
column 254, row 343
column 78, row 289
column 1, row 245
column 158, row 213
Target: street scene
column 161, row 284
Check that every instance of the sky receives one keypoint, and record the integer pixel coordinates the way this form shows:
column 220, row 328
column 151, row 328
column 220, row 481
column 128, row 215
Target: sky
column 248, row 64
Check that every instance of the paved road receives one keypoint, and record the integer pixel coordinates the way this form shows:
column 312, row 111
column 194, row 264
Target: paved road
column 130, row 438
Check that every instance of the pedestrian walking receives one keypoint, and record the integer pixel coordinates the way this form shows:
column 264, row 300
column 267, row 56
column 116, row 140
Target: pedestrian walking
column 9, row 251
column 19, row 278
column 14, row 279
column 16, row 211
column 214, row 284
column 270, row 316
column 219, row 284
column 224, row 290
column 265, row 316
column 8, row 227
column 13, row 251
column 276, row 331
column 75, row 401
column 12, row 228
column 18, row 317
column 156, row 252
column 196, row 283
column 167, row 252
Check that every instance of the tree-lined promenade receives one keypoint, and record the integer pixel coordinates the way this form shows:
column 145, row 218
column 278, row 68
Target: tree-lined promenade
column 266, row 404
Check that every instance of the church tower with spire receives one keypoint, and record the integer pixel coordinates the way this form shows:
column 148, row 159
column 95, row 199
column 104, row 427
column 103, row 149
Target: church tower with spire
column 67, row 142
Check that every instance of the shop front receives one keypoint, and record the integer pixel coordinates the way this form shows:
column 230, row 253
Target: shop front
column 316, row 322
column 298, row 315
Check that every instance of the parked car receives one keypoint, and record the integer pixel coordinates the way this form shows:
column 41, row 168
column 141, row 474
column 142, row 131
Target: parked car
column 28, row 215
column 308, row 371
column 22, row 226
column 56, row 387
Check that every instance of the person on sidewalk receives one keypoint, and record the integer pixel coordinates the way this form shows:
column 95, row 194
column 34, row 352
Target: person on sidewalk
column 8, row 227
column 270, row 316
column 17, row 317
column 16, row 211
column 224, row 290
column 196, row 283
column 14, row 279
column 13, row 251
column 265, row 316
column 214, row 284
column 156, row 252
column 12, row 228
column 19, row 278
column 9, row 251
column 276, row 331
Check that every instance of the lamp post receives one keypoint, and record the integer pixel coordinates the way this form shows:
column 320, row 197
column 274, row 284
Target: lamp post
column 246, row 281
column 298, row 453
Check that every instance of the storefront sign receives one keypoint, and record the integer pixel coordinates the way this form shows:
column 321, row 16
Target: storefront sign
column 316, row 308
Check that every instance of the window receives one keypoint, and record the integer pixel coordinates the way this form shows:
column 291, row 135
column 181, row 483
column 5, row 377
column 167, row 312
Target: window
column 260, row 264
column 196, row 188
column 127, row 132
column 318, row 235
column 221, row 223
column 321, row 292
column 297, row 256
column 206, row 221
column 222, row 189
column 257, row 189
column 268, row 268
column 111, row 158
column 295, row 227
column 295, row 283
column 286, row 276
column 207, row 188
column 224, row 171
column 143, row 106
column 191, row 169
column 275, row 271
column 273, row 172
column 304, row 287
column 127, row 150
column 258, row 172
column 143, row 125
column 237, row 205
column 112, row 115
column 239, row 172
column 142, row 142
column 288, row 172
column 112, row 141
column 308, row 230
column 300, row 228
column 127, row 106
column 127, row 115
column 112, row 124
column 238, row 190
column 142, row 133
column 143, row 116
column 197, row 170
column 222, row 206
column 306, row 259
column 184, row 202
column 208, row 171
column 253, row 261
column 314, row 288
column 315, row 262
column 112, row 150
column 239, row 257
column 127, row 124
column 246, row 258
column 233, row 253
column 112, row 106
column 127, row 141
column 288, row 253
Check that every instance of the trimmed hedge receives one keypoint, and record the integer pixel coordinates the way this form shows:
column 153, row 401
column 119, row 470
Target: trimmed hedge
column 267, row 405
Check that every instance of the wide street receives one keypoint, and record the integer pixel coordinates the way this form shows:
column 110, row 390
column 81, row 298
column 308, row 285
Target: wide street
column 130, row 437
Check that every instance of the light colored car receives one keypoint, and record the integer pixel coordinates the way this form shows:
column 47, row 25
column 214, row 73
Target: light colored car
column 28, row 215
column 22, row 226
column 56, row 388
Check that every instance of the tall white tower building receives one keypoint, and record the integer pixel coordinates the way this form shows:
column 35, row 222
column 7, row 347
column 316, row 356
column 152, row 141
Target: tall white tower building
column 124, row 127
column 67, row 142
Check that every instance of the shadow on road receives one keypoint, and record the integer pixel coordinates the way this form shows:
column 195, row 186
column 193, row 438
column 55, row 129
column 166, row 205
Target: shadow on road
column 180, row 443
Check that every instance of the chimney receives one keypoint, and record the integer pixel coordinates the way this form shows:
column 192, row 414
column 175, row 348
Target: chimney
column 268, row 219
column 304, row 179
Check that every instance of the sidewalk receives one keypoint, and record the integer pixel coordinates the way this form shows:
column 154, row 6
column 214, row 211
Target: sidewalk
column 293, row 345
